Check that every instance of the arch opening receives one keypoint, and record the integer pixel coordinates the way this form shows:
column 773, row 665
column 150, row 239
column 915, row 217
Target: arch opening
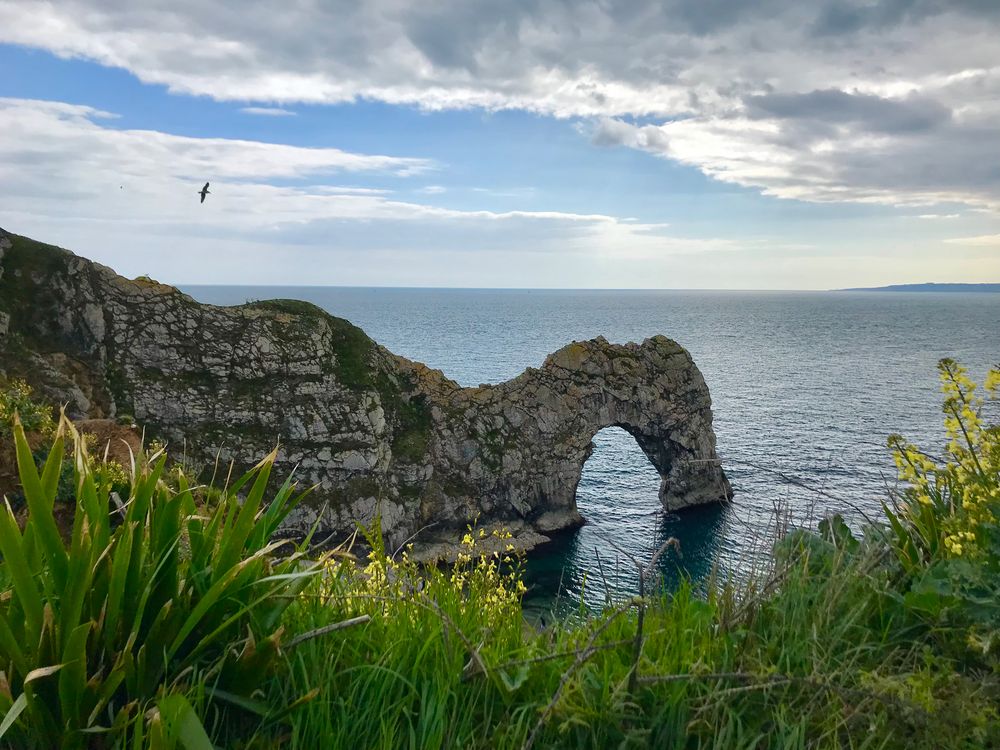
column 619, row 482
column 618, row 496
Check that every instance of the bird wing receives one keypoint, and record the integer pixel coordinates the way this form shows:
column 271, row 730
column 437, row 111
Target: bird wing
column 206, row 186
column 202, row 197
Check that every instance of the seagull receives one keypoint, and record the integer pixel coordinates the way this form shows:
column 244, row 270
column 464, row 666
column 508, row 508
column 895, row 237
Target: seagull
column 203, row 192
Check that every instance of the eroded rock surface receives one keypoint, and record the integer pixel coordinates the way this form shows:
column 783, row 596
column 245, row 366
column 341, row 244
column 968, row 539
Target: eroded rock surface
column 375, row 432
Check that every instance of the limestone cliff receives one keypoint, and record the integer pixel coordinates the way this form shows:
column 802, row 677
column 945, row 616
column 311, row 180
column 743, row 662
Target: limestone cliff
column 372, row 430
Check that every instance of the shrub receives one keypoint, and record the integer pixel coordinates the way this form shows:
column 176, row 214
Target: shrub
column 111, row 476
column 946, row 525
column 948, row 506
column 102, row 635
column 16, row 400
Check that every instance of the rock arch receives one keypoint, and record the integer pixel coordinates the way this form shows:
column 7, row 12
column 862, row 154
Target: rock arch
column 543, row 422
column 376, row 433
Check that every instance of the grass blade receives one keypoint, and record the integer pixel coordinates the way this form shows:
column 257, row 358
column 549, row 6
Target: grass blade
column 39, row 508
column 25, row 588
column 13, row 713
column 184, row 723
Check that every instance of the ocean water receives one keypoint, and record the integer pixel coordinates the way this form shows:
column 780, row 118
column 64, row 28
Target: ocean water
column 805, row 388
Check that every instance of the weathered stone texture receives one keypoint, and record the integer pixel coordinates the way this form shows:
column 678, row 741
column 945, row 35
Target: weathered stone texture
column 373, row 431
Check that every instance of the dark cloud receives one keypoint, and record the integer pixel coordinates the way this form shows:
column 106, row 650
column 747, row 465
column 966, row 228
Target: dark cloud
column 836, row 18
column 432, row 30
column 875, row 113
column 774, row 94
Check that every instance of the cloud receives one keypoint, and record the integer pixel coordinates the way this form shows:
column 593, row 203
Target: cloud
column 268, row 111
column 837, row 19
column 831, row 106
column 887, row 101
column 59, row 131
column 827, row 162
column 933, row 217
column 128, row 198
column 432, row 189
column 983, row 240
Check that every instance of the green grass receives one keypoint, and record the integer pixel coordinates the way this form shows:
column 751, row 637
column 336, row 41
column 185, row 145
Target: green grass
column 825, row 660
column 882, row 640
column 291, row 307
column 151, row 601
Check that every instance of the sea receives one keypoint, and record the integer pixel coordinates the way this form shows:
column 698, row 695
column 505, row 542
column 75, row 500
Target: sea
column 806, row 387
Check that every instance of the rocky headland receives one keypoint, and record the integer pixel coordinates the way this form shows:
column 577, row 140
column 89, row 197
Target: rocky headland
column 376, row 433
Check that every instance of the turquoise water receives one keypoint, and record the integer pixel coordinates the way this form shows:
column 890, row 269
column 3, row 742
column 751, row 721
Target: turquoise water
column 805, row 387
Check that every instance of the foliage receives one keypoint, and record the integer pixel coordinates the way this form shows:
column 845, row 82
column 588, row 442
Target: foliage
column 447, row 661
column 949, row 507
column 945, row 531
column 16, row 400
column 881, row 639
column 851, row 641
column 102, row 634
column 111, row 476
column 411, row 676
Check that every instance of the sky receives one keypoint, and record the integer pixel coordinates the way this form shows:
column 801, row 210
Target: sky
column 526, row 143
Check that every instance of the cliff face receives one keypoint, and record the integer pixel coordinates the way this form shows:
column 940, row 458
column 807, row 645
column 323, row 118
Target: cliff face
column 375, row 432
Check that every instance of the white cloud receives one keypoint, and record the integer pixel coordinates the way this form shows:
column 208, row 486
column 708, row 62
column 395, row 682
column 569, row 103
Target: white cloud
column 935, row 217
column 872, row 101
column 432, row 189
column 268, row 111
column 826, row 163
column 60, row 131
column 117, row 195
column 982, row 240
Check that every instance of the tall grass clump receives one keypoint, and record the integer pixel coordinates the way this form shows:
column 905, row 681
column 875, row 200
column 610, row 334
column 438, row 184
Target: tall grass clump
column 168, row 595
column 412, row 675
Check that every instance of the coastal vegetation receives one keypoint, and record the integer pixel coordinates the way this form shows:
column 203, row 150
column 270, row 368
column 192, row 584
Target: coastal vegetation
column 169, row 613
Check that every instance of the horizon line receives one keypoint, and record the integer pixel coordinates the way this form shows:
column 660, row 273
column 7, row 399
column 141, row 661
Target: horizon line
column 572, row 289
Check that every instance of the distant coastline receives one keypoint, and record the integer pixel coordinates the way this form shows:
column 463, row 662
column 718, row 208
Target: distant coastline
column 928, row 287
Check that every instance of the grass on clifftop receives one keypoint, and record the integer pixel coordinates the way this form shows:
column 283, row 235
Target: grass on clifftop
column 885, row 639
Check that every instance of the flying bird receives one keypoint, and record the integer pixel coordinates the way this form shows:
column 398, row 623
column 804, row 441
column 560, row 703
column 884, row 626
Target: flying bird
column 203, row 192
